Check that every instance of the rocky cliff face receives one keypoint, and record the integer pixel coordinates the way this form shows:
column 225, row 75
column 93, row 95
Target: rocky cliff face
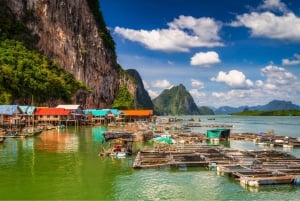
column 68, row 32
column 175, row 101
column 143, row 99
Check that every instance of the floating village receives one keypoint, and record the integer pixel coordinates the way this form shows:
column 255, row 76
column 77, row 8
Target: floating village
column 171, row 141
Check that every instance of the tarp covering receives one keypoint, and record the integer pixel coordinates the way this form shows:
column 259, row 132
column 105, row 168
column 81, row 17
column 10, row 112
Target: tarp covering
column 218, row 133
column 27, row 109
column 164, row 139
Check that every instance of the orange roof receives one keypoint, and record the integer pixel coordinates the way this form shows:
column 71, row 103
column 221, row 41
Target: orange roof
column 138, row 112
column 52, row 111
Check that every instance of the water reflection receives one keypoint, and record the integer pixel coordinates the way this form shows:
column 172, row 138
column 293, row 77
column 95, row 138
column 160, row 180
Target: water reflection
column 97, row 133
column 15, row 149
column 59, row 141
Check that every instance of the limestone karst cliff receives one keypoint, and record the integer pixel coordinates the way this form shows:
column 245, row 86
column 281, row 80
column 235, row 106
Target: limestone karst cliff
column 143, row 100
column 175, row 101
column 73, row 33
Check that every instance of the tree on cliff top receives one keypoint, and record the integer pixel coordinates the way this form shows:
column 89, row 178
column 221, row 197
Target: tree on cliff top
column 124, row 99
column 25, row 73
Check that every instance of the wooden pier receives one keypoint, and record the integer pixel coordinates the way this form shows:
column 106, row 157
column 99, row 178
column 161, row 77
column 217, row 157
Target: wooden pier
column 251, row 168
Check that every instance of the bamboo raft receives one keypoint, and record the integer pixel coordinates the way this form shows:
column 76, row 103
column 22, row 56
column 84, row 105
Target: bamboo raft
column 251, row 168
column 270, row 140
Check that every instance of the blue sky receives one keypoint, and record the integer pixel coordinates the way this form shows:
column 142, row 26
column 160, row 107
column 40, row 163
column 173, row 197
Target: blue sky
column 229, row 52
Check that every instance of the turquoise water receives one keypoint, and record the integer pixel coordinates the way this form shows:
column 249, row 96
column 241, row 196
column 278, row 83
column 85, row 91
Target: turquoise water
column 64, row 165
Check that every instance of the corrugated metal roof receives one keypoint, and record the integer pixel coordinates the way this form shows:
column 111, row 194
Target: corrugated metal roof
column 96, row 113
column 27, row 109
column 52, row 111
column 8, row 109
column 138, row 112
column 69, row 107
column 115, row 111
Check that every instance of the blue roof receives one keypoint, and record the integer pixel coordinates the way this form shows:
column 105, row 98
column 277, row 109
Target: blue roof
column 115, row 111
column 103, row 112
column 8, row 109
column 96, row 113
column 27, row 109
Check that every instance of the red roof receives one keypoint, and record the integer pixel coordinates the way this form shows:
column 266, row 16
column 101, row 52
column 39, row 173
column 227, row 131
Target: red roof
column 52, row 111
column 138, row 112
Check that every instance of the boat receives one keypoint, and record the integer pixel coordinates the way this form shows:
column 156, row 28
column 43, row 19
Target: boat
column 46, row 126
column 220, row 133
column 121, row 148
column 13, row 133
column 61, row 126
column 32, row 131
column 2, row 139
column 2, row 132
column 118, row 154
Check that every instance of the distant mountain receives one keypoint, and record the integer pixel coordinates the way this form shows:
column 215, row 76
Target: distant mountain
column 276, row 105
column 271, row 106
column 229, row 110
column 206, row 110
column 143, row 99
column 175, row 101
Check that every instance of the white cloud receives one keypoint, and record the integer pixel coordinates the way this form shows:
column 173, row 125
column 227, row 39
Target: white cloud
column 153, row 94
column 170, row 62
column 259, row 83
column 218, row 94
column 198, row 96
column 163, row 84
column 205, row 28
column 270, row 86
column 197, row 83
column 267, row 24
column 233, row 78
column 205, row 59
column 289, row 62
column 274, row 5
column 278, row 84
column 183, row 33
column 277, row 76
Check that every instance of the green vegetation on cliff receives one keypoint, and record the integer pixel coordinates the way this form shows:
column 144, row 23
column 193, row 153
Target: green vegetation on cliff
column 175, row 101
column 270, row 113
column 206, row 111
column 104, row 32
column 27, row 73
column 124, row 99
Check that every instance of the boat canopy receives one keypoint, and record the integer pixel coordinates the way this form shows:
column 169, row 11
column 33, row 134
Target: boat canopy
column 218, row 133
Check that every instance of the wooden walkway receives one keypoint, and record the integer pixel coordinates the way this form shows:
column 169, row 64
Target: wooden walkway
column 251, row 168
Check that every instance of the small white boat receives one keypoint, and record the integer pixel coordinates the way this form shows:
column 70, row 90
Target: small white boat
column 118, row 154
column 32, row 131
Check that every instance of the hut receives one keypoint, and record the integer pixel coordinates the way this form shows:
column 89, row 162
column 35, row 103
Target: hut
column 55, row 116
column 27, row 114
column 97, row 116
column 77, row 114
column 10, row 115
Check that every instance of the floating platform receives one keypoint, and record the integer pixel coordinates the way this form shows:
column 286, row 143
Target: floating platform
column 266, row 139
column 110, row 135
column 251, row 168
